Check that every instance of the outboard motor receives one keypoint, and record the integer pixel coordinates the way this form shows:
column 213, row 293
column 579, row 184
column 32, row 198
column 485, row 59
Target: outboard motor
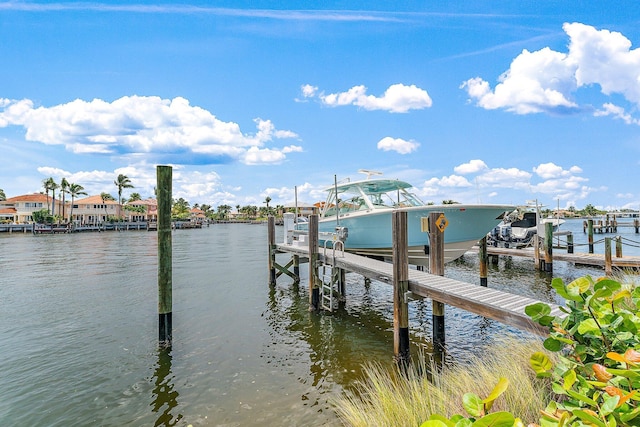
column 505, row 232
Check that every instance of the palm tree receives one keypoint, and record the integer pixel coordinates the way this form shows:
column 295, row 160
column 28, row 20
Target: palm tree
column 75, row 190
column 47, row 185
column 3, row 197
column 121, row 182
column 51, row 185
column 134, row 197
column 105, row 197
column 64, row 189
column 267, row 200
column 223, row 211
column 180, row 209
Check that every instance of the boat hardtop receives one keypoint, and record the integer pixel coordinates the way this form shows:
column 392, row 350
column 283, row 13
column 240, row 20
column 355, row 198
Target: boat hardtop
column 370, row 194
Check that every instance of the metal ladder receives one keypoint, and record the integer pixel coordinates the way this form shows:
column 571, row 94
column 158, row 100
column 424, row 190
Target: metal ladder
column 330, row 279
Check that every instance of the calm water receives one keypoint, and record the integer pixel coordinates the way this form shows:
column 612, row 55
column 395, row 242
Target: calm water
column 79, row 330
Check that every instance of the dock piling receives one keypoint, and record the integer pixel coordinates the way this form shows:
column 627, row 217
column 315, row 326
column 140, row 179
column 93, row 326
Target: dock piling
column 400, row 289
column 570, row 243
column 436, row 266
column 484, row 260
column 590, row 231
column 314, row 280
column 271, row 226
column 548, row 247
column 618, row 247
column 165, row 255
column 607, row 256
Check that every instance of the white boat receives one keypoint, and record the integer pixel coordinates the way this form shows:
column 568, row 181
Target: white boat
column 364, row 208
column 518, row 227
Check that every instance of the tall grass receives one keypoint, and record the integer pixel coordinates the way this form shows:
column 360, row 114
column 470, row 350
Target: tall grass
column 387, row 398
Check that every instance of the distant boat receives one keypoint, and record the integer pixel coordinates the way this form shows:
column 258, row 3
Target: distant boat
column 518, row 227
column 364, row 208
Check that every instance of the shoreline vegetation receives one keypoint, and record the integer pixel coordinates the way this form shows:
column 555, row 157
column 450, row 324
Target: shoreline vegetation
column 584, row 373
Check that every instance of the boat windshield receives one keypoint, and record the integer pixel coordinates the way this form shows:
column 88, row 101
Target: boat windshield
column 369, row 194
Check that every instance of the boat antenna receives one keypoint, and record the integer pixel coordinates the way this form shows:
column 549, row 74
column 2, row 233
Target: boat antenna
column 295, row 193
column 369, row 172
column 335, row 187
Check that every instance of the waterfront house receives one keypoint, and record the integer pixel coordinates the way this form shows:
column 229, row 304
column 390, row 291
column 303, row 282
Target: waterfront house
column 150, row 207
column 20, row 209
column 93, row 210
column 197, row 215
column 304, row 209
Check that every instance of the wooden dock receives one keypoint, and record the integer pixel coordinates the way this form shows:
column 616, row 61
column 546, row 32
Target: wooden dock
column 595, row 260
column 501, row 306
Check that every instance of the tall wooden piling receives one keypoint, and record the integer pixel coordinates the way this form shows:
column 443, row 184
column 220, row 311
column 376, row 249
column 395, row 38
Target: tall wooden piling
column 484, row 260
column 400, row 288
column 165, row 255
column 314, row 281
column 618, row 247
column 607, row 256
column 548, row 247
column 436, row 266
column 590, row 234
column 570, row 243
column 271, row 226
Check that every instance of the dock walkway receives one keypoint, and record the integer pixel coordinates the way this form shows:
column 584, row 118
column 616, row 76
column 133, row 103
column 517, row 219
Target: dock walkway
column 597, row 260
column 501, row 306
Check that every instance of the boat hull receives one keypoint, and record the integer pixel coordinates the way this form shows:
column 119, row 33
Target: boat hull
column 370, row 233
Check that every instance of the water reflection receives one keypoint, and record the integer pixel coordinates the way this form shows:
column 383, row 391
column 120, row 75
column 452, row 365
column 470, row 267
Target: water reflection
column 338, row 344
column 165, row 397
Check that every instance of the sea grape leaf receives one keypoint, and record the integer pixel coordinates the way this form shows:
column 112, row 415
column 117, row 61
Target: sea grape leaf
column 585, row 416
column 553, row 344
column 589, row 326
column 496, row 419
column 473, row 404
column 433, row 423
column 537, row 310
column 500, row 388
column 540, row 362
column 569, row 379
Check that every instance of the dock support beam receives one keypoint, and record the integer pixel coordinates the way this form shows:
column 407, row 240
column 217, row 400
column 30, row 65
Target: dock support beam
column 607, row 256
column 570, row 243
column 165, row 255
column 484, row 260
column 548, row 247
column 314, row 280
column 436, row 266
column 271, row 224
column 400, row 288
column 618, row 247
column 590, row 231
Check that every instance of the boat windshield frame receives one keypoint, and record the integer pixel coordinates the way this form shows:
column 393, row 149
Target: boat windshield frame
column 369, row 195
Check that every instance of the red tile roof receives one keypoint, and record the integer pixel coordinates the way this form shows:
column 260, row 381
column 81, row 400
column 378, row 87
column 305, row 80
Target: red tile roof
column 36, row 197
column 94, row 200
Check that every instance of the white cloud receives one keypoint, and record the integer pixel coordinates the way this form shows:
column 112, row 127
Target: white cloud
column 135, row 125
column 258, row 156
column 609, row 109
column 473, row 166
column 536, row 82
column 545, row 80
column 505, row 178
column 398, row 98
column 397, row 144
column 551, row 170
column 309, row 91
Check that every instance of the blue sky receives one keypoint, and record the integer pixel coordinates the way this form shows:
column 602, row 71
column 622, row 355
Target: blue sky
column 477, row 102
